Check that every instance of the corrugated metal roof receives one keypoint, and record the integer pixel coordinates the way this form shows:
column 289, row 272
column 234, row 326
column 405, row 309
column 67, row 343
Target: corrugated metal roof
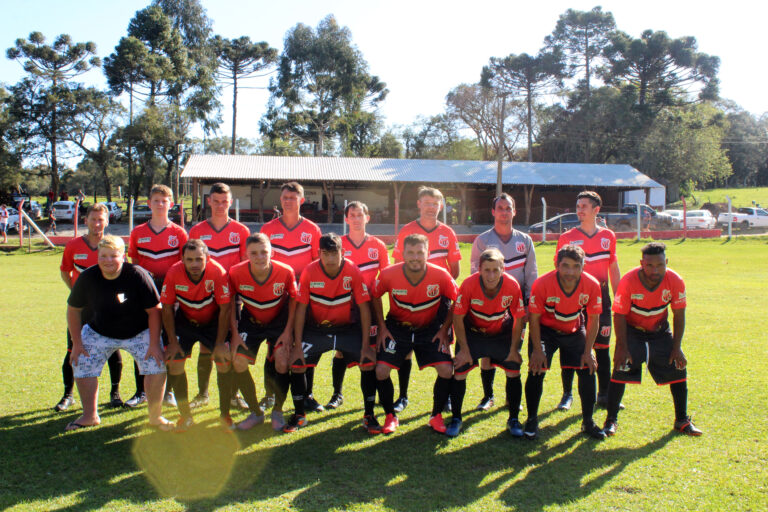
column 284, row 168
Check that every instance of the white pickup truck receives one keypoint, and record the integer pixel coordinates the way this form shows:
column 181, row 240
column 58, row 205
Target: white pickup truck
column 745, row 218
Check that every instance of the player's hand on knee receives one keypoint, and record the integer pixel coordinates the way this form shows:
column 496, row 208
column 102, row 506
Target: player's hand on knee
column 367, row 353
column 678, row 359
column 588, row 359
column 621, row 357
column 235, row 342
column 156, row 353
column 285, row 339
column 462, row 358
column 515, row 357
column 173, row 350
column 221, row 354
column 77, row 351
column 537, row 362
column 382, row 337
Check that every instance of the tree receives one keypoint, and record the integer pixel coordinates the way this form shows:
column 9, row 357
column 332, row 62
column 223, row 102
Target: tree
column 38, row 98
column 9, row 144
column 322, row 77
column 240, row 59
column 746, row 144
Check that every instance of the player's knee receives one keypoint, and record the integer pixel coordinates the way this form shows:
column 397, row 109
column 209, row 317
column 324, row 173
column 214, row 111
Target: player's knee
column 176, row 367
column 382, row 372
column 240, row 364
column 444, row 371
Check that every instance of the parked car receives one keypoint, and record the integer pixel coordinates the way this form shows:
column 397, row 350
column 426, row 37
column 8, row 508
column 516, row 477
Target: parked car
column 700, row 219
column 561, row 223
column 35, row 210
column 115, row 212
column 745, row 218
column 64, row 210
column 626, row 219
column 13, row 219
column 141, row 213
column 677, row 218
column 175, row 214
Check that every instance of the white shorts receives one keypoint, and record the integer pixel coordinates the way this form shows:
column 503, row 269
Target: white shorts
column 100, row 347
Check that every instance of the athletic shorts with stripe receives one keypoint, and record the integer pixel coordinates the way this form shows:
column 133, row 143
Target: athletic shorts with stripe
column 496, row 347
column 603, row 339
column 419, row 341
column 346, row 340
column 653, row 349
column 571, row 347
column 255, row 333
column 100, row 347
column 190, row 332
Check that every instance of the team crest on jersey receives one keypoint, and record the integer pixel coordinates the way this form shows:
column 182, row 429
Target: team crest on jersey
column 173, row 241
column 583, row 299
column 209, row 285
column 347, row 283
column 433, row 290
column 666, row 295
column 605, row 331
column 605, row 244
column 442, row 241
column 234, row 238
column 391, row 347
column 520, row 247
column 278, row 288
column 506, row 301
column 373, row 253
column 306, row 238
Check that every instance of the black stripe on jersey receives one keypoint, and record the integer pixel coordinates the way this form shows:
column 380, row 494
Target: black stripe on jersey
column 563, row 317
column 368, row 264
column 158, row 255
column 514, row 258
column 195, row 304
column 415, row 307
column 438, row 253
column 331, row 301
column 648, row 312
column 493, row 317
column 258, row 304
column 228, row 249
column 79, row 268
column 291, row 251
column 593, row 256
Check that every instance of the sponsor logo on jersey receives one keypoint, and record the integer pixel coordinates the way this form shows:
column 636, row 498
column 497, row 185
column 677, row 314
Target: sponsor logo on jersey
column 634, row 296
column 278, row 288
column 275, row 236
column 209, row 285
column 225, row 289
column 182, row 287
column 583, row 299
column 347, row 283
column 163, row 289
column 205, row 237
column 396, row 291
column 173, row 241
column 391, row 346
column 80, row 256
column 532, row 300
column 234, row 238
column 681, row 295
column 433, row 290
column 442, row 241
column 576, row 242
column 556, row 300
column 666, row 295
column 347, row 253
column 477, row 302
column 316, row 284
column 520, row 247
column 605, row 331
column 246, row 288
column 145, row 240
column 373, row 253
column 506, row 301
column 306, row 238
column 605, row 244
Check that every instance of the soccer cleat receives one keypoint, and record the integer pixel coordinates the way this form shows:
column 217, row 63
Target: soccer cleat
column 295, row 422
column 199, row 401
column 610, row 427
column 136, row 400
column 447, row 406
column 238, row 402
column 514, row 427
column 251, row 421
column 592, row 430
column 335, row 402
column 686, row 426
column 312, row 405
column 453, row 428
column 278, row 421
column 390, row 424
column 169, row 399
column 565, row 402
column 531, row 429
column 485, row 404
column 436, row 423
column 115, row 400
column 267, row 402
column 65, row 403
column 184, row 423
column 227, row 425
column 401, row 404
column 371, row 425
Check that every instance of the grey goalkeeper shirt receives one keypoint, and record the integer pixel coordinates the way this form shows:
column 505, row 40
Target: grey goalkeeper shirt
column 519, row 256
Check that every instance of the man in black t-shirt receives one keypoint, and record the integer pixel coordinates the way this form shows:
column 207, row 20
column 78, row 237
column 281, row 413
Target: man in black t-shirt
column 125, row 314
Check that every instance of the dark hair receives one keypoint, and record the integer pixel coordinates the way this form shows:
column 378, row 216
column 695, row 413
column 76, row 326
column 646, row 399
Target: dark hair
column 292, row 186
column 356, row 204
column 330, row 242
column 654, row 248
column 220, row 188
column 592, row 196
column 194, row 244
column 572, row 252
column 416, row 239
column 503, row 195
column 257, row 238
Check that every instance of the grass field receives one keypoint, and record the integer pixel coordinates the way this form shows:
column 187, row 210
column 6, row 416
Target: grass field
column 739, row 196
column 333, row 465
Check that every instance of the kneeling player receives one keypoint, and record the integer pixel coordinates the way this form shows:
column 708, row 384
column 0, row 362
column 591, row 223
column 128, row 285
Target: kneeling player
column 267, row 289
column 643, row 335
column 332, row 313
column 557, row 323
column 488, row 320
column 417, row 292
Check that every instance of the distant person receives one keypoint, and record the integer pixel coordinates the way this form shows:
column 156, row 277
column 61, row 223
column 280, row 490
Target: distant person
column 4, row 215
column 52, row 222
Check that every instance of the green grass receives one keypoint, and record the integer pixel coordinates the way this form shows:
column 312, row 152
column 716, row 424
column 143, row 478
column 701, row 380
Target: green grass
column 739, row 196
column 333, row 465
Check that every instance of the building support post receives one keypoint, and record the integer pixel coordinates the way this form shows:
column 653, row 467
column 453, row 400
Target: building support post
column 398, row 191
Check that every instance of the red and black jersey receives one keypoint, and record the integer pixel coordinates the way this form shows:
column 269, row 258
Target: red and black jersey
column 443, row 244
column 298, row 246
column 264, row 300
column 199, row 301
column 562, row 311
column 332, row 300
column 485, row 313
column 227, row 245
column 415, row 304
column 154, row 251
column 78, row 256
column 647, row 309
column 371, row 257
column 599, row 250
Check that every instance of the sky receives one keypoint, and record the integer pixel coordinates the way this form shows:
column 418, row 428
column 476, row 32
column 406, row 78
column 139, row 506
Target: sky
column 421, row 48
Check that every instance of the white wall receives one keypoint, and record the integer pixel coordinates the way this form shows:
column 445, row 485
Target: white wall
column 658, row 197
column 375, row 199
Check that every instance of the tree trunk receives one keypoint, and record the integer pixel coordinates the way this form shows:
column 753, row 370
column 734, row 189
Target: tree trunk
column 528, row 193
column 105, row 178
column 262, row 193
column 54, row 169
column 328, row 190
column 463, row 211
column 588, row 134
column 234, row 111
column 529, row 103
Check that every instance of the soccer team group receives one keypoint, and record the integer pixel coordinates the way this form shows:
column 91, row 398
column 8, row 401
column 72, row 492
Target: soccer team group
column 303, row 293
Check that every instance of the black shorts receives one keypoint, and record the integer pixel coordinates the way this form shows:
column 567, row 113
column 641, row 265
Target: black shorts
column 406, row 340
column 190, row 333
column 346, row 340
column 571, row 347
column 254, row 334
column 653, row 349
column 495, row 347
column 603, row 339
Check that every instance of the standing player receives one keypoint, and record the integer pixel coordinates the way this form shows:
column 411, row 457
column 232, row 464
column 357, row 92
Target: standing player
column 79, row 254
column 155, row 246
column 599, row 245
column 557, row 323
column 643, row 335
column 371, row 256
column 417, row 292
column 225, row 238
column 267, row 291
column 488, row 320
column 443, row 252
column 519, row 262
column 294, row 242
column 200, row 288
column 333, row 313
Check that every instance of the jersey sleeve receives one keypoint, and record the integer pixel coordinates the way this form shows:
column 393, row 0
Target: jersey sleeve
column 561, row 241
column 359, row 289
column 222, row 292
column 531, row 270
column 315, row 244
column 183, row 239
column 383, row 256
column 290, row 284
column 454, row 254
column 451, row 289
column 168, row 294
column 678, row 293
column 397, row 252
column 613, row 258
column 595, row 303
column 517, row 308
column 67, row 260
column 622, row 300
column 246, row 233
column 536, row 301
column 302, row 291
column 133, row 251
column 478, row 246
column 380, row 286
column 461, row 307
